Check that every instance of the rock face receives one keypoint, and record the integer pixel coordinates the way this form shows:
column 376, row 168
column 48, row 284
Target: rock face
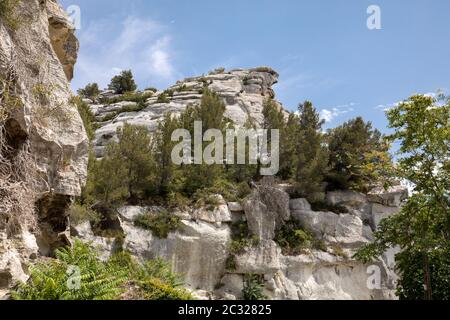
column 39, row 124
column 200, row 249
column 243, row 92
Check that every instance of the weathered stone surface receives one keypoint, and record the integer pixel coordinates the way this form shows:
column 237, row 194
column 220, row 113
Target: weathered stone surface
column 379, row 212
column 346, row 197
column 243, row 91
column 393, row 197
column 235, row 207
column 37, row 59
column 265, row 258
column 261, row 222
column 299, row 204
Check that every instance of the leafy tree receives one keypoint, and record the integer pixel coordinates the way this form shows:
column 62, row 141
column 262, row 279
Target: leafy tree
column 422, row 228
column 126, row 170
column 311, row 156
column 351, row 147
column 288, row 146
column 135, row 152
column 211, row 113
column 163, row 154
column 123, row 83
column 91, row 91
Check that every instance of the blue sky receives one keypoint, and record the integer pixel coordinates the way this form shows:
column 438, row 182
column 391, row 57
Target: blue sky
column 322, row 49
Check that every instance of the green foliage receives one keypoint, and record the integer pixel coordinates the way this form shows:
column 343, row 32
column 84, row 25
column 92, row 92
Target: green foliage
column 312, row 156
column 161, row 223
column 163, row 158
column 354, row 146
column 163, row 98
column 90, row 91
column 422, row 228
column 139, row 97
column 253, row 288
column 211, row 113
column 79, row 213
column 123, row 83
column 293, row 238
column 126, row 170
column 58, row 280
column 8, row 14
column 86, row 115
column 121, row 277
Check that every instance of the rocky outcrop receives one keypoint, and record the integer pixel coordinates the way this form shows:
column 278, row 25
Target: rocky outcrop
column 42, row 134
column 243, row 92
column 200, row 249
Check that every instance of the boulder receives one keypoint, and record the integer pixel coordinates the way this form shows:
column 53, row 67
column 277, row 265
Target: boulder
column 345, row 197
column 262, row 259
column 393, row 197
column 299, row 204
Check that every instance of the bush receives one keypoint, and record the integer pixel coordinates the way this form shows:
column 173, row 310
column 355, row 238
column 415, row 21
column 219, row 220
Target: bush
column 253, row 288
column 81, row 213
column 79, row 274
column 91, row 91
column 123, row 83
column 138, row 97
column 163, row 98
column 161, row 223
column 294, row 239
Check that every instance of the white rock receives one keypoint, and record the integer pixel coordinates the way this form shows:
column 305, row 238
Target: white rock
column 235, row 207
column 299, row 204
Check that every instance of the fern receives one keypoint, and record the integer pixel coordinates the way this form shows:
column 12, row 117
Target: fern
column 98, row 280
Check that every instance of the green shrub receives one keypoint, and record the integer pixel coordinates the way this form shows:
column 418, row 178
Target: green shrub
column 8, row 13
column 163, row 98
column 138, row 97
column 123, row 83
column 293, row 238
column 253, row 287
column 109, row 117
column 77, row 274
column 161, row 223
column 91, row 91
column 152, row 89
column 98, row 280
column 81, row 213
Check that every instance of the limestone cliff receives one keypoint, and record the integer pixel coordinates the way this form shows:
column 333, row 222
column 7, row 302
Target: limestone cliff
column 43, row 145
column 200, row 250
column 243, row 91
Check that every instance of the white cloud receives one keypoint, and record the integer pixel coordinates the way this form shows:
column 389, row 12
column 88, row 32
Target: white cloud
column 144, row 46
column 329, row 114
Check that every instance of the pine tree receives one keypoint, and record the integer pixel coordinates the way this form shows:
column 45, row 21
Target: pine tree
column 123, row 83
column 163, row 153
column 312, row 156
column 211, row 113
